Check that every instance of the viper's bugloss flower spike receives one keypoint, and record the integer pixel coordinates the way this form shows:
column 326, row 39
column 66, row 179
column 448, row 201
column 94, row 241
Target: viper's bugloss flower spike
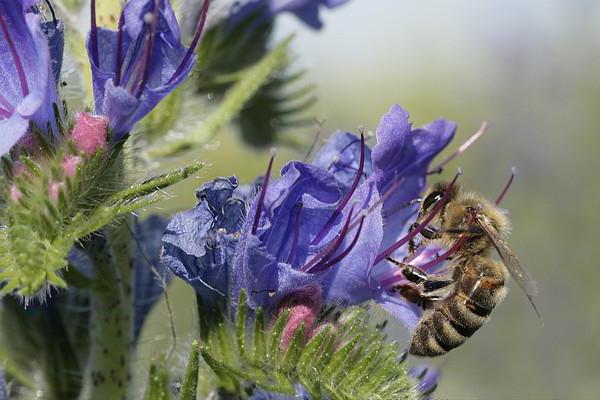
column 306, row 10
column 90, row 133
column 321, row 223
column 27, row 92
column 136, row 66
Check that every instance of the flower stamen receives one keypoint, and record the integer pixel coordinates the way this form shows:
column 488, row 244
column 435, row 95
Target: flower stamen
column 195, row 40
column 296, row 234
column 330, row 249
column 118, row 59
column 513, row 173
column 438, row 207
column 94, row 32
column 325, row 266
column 463, row 147
column 148, row 50
column 347, row 197
column 261, row 199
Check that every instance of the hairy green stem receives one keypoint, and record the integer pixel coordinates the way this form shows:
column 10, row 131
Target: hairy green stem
column 108, row 370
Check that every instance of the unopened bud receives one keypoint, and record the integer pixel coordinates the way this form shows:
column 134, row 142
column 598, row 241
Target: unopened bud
column 54, row 189
column 69, row 165
column 90, row 132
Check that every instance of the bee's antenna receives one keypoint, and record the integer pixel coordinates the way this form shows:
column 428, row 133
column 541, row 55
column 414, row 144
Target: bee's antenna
column 463, row 147
column 513, row 173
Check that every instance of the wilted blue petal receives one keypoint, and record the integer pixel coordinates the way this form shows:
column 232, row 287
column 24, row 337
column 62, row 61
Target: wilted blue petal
column 150, row 275
column 340, row 155
column 402, row 154
column 199, row 244
column 26, row 92
column 126, row 97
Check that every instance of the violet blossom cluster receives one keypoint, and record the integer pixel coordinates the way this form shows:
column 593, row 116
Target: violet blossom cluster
column 323, row 223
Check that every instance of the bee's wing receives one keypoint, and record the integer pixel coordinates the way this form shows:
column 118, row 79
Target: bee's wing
column 510, row 260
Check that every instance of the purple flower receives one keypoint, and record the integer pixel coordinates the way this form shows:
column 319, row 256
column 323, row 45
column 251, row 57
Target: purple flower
column 26, row 91
column 324, row 223
column 305, row 10
column 136, row 66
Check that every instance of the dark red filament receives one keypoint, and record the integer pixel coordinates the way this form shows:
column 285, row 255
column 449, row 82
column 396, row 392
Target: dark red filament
column 94, row 33
column 346, row 198
column 195, row 40
column 331, row 248
column 296, row 234
column 148, row 50
column 261, row 199
column 326, row 265
column 118, row 59
column 513, row 173
column 437, row 208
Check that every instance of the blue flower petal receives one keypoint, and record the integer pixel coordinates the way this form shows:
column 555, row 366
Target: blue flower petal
column 301, row 394
column 403, row 154
column 340, row 155
column 199, row 244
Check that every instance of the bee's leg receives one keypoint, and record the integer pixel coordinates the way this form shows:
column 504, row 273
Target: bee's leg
column 420, row 277
column 417, row 296
column 410, row 272
column 411, row 243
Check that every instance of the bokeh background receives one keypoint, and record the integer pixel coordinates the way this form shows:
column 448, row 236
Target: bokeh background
column 531, row 69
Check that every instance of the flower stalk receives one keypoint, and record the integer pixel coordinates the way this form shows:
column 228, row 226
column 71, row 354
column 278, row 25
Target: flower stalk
column 108, row 370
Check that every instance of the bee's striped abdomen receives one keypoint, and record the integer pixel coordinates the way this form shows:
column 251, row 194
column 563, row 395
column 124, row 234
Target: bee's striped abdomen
column 458, row 316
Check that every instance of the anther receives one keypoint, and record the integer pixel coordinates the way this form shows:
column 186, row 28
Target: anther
column 346, row 198
column 513, row 173
column 261, row 198
column 440, row 167
column 437, row 208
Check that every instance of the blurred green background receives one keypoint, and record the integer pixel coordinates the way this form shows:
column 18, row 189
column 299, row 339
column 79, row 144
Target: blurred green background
column 531, row 69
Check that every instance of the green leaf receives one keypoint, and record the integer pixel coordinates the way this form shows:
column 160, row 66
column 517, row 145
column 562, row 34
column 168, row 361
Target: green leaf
column 234, row 101
column 189, row 385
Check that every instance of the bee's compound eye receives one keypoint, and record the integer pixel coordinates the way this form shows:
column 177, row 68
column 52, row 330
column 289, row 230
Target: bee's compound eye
column 431, row 199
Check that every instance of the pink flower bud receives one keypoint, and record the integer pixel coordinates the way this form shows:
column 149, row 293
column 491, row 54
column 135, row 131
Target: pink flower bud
column 15, row 194
column 304, row 305
column 54, row 189
column 69, row 165
column 90, row 132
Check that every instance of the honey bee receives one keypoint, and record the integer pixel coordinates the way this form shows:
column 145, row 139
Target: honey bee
column 470, row 226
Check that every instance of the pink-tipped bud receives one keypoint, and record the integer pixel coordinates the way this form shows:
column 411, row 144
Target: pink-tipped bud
column 15, row 194
column 69, row 165
column 54, row 189
column 90, row 132
column 304, row 305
